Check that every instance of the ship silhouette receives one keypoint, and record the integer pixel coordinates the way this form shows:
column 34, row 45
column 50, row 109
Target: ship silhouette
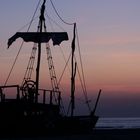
column 26, row 114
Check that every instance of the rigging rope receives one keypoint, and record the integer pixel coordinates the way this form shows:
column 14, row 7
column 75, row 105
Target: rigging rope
column 50, row 19
column 59, row 14
column 64, row 69
column 13, row 64
column 21, row 45
column 83, row 76
column 27, row 24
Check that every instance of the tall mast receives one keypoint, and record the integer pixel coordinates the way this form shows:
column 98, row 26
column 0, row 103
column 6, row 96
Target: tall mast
column 41, row 21
column 73, row 73
column 39, row 38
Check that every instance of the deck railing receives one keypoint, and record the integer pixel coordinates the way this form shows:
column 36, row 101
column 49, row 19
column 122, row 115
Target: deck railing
column 44, row 96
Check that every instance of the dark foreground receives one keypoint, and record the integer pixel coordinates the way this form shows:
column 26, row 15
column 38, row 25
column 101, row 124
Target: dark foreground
column 99, row 134
column 116, row 134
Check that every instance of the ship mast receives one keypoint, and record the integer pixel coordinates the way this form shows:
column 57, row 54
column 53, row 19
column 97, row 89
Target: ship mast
column 39, row 38
column 73, row 73
column 41, row 22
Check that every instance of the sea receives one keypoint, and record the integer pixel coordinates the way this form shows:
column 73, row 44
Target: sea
column 118, row 123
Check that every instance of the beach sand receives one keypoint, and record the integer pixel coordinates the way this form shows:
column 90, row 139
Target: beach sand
column 103, row 134
column 98, row 134
column 116, row 134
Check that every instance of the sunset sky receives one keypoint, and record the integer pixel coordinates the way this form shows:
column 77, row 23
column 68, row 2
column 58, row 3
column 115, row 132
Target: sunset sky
column 109, row 34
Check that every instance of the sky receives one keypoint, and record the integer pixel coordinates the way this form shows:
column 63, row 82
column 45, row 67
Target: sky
column 109, row 35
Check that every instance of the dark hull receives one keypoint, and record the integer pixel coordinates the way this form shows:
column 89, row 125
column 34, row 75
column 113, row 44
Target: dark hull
column 78, row 124
column 23, row 118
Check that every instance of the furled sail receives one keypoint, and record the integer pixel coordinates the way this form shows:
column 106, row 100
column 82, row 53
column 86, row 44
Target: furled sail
column 37, row 37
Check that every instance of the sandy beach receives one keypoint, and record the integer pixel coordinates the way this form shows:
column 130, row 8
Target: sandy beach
column 103, row 134
column 116, row 134
column 98, row 134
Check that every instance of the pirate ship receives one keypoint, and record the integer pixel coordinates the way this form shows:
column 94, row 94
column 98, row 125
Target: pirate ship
column 28, row 113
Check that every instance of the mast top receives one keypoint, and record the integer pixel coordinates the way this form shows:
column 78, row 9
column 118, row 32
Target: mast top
column 42, row 11
column 40, row 37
